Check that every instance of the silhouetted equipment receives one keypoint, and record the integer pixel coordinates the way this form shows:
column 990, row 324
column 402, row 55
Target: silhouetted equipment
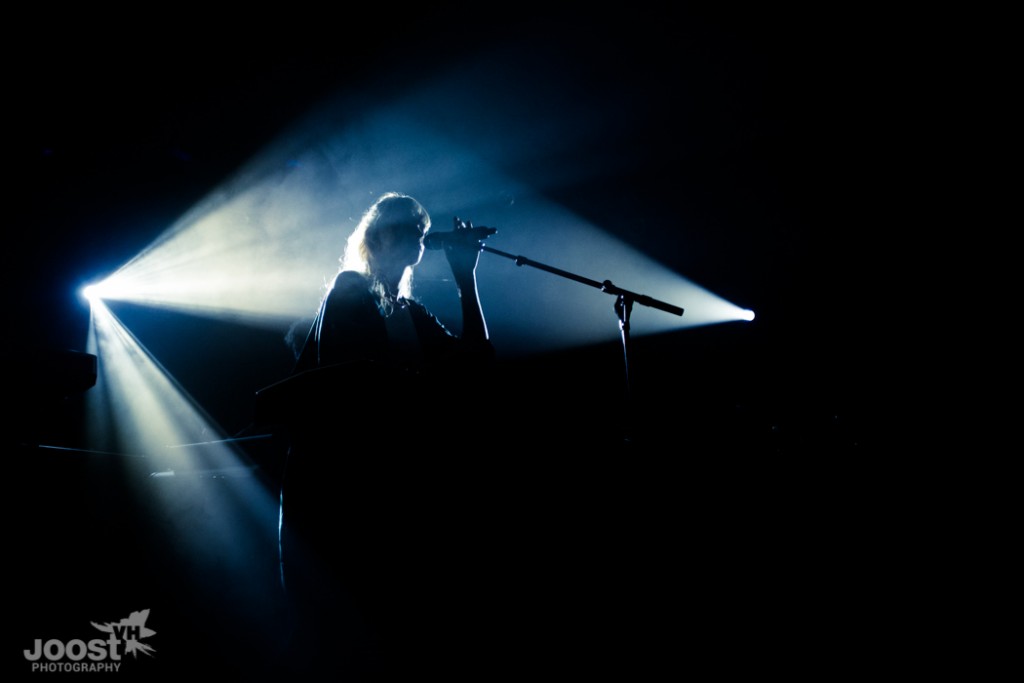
column 54, row 374
column 44, row 382
column 306, row 397
column 437, row 240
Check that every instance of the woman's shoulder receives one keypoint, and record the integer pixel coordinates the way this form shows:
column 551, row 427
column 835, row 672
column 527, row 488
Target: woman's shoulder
column 350, row 280
column 349, row 284
column 349, row 289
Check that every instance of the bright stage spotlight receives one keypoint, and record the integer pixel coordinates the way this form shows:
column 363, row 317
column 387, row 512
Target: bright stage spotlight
column 112, row 288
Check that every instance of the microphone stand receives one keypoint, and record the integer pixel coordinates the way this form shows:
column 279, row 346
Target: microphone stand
column 624, row 300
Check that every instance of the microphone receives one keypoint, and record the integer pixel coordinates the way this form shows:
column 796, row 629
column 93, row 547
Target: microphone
column 464, row 237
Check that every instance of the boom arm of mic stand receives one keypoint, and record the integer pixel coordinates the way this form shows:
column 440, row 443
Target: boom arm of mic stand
column 605, row 286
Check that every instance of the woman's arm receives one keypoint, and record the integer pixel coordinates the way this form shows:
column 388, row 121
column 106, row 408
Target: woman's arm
column 463, row 256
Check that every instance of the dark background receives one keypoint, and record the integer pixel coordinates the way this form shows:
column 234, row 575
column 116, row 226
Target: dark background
column 734, row 521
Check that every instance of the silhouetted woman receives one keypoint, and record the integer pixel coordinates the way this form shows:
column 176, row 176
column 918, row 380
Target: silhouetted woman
column 369, row 314
column 371, row 511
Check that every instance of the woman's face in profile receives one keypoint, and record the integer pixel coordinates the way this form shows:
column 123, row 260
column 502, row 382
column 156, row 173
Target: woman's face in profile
column 402, row 243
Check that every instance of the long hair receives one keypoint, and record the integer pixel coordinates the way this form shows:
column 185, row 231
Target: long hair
column 390, row 209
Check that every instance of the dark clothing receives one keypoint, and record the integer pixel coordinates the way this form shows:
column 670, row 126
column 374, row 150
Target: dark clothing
column 372, row 509
column 351, row 328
